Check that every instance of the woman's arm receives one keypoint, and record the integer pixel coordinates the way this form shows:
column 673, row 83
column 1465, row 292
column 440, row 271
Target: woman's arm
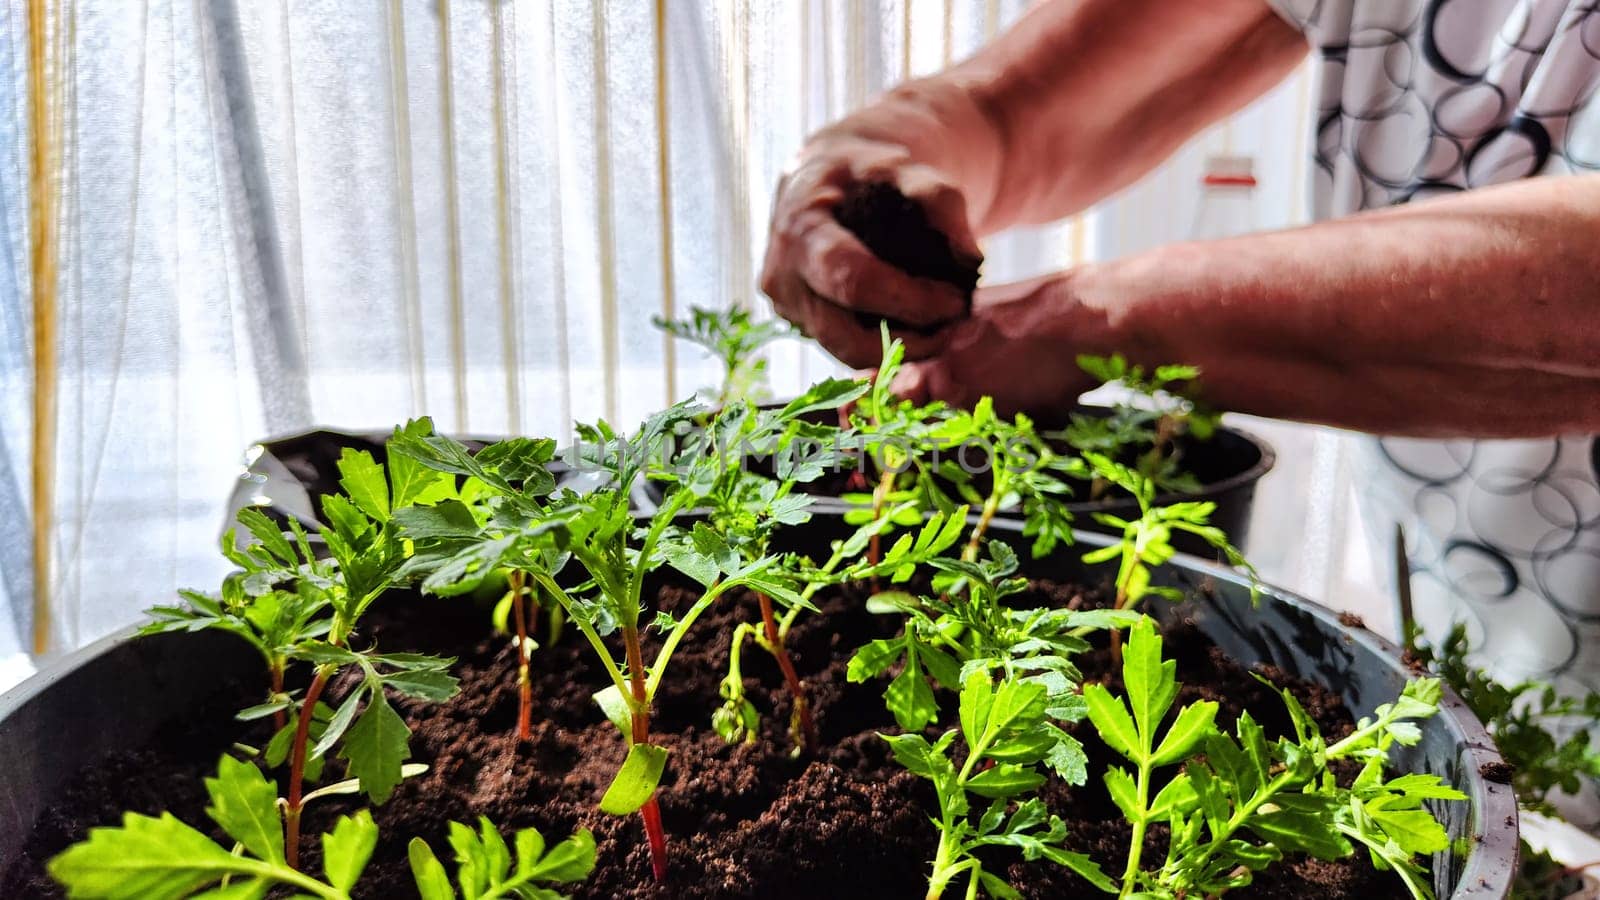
column 1083, row 98
column 1077, row 99
column 1473, row 315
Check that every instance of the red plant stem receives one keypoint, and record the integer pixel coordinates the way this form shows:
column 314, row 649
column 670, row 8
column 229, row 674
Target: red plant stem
column 281, row 717
column 650, row 811
column 297, row 769
column 524, row 685
column 802, row 705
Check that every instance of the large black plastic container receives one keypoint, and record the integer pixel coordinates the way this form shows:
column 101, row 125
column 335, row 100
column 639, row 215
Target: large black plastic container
column 118, row 691
column 287, row 476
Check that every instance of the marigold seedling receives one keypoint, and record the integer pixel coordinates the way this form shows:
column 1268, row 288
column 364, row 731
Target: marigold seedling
column 163, row 858
column 734, row 338
column 745, row 509
column 1144, row 426
column 1009, row 739
column 466, row 538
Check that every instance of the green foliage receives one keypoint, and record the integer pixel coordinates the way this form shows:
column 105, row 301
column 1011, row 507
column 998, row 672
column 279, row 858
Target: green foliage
column 1146, row 426
column 1009, row 737
column 294, row 605
column 1544, row 735
column 733, row 337
column 1025, row 472
column 1242, row 800
column 950, row 635
column 486, row 868
column 1147, row 540
column 636, row 780
column 162, row 858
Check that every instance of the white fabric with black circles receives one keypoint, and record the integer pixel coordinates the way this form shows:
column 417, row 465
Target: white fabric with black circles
column 1422, row 98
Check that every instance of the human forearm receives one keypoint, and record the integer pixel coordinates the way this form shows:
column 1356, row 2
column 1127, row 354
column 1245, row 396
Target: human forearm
column 1471, row 315
column 1078, row 99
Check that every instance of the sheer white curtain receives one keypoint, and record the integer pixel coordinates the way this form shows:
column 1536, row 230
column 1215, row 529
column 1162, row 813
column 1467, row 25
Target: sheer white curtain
column 272, row 214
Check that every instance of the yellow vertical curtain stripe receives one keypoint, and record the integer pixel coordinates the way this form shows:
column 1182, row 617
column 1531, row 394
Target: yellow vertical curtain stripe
column 43, row 110
column 669, row 311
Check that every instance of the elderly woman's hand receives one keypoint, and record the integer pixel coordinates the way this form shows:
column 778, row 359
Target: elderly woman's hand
column 823, row 279
column 1020, row 346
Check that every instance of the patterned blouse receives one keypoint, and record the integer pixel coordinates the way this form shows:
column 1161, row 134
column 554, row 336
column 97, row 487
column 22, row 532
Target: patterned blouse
column 1421, row 98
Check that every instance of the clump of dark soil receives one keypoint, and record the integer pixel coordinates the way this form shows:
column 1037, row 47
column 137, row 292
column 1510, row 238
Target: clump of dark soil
column 897, row 230
column 746, row 820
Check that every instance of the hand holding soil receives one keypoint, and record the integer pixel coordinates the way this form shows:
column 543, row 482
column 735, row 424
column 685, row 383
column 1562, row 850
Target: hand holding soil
column 861, row 234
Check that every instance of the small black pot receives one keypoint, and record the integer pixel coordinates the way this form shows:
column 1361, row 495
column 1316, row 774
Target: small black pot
column 117, row 692
column 287, row 476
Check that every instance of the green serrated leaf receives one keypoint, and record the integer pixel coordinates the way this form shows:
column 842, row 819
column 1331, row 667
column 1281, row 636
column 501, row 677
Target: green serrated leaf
column 1004, row 780
column 245, row 805
column 1112, row 722
column 1193, row 723
column 365, row 483
column 347, row 848
column 375, row 747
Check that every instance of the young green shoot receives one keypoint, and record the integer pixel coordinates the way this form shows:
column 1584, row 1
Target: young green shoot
column 745, row 509
column 1023, row 471
column 1242, row 801
column 1145, row 426
column 734, row 338
column 617, row 552
column 1543, row 734
column 1010, row 742
column 488, row 869
column 163, row 858
column 1147, row 540
column 273, row 602
column 952, row 634
column 894, row 436
column 465, row 539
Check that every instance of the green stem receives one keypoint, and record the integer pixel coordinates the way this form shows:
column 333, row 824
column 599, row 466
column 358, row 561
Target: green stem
column 1417, row 889
column 285, row 875
column 809, row 591
column 1339, row 749
column 595, row 641
column 1130, row 875
column 880, row 495
column 944, row 871
column 991, row 505
column 276, row 667
column 1240, row 815
column 675, row 637
column 658, row 525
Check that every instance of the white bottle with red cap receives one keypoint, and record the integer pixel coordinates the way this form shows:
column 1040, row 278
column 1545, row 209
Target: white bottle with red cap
column 1227, row 200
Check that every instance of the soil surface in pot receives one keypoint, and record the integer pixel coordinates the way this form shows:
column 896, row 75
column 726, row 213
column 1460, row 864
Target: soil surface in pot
column 746, row 820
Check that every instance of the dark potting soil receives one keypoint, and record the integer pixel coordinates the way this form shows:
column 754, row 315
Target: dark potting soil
column 745, row 820
column 897, row 230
